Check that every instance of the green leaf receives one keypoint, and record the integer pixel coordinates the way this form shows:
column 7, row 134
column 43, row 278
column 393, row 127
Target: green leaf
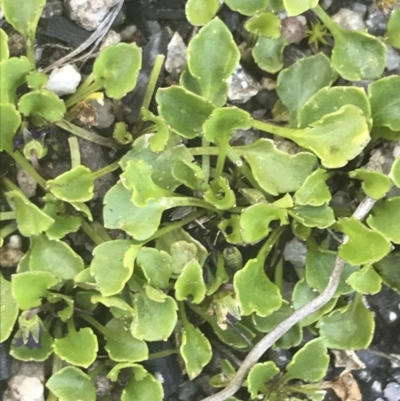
column 268, row 53
column 264, row 24
column 364, row 245
column 36, row 80
column 314, row 216
column 4, row 52
column 23, row 16
column 189, row 174
column 389, row 270
column 357, row 55
column 200, row 12
column 153, row 321
column 296, row 85
column 183, row 111
column 310, row 363
column 296, row 7
column 216, row 41
column 64, row 223
column 350, row 327
column 121, row 134
column 220, row 194
column 78, row 347
column 277, row 172
column 142, row 387
column 191, row 283
column 223, row 121
column 159, row 139
column 116, row 304
column 383, row 217
column 375, row 185
column 395, row 172
column 366, row 281
column 71, row 384
column 118, row 78
column 231, row 230
column 302, row 294
column 161, row 162
column 12, row 75
column 23, row 353
column 385, row 102
column 393, row 29
column 156, row 266
column 251, row 285
column 121, row 345
column 329, row 100
column 30, row 219
column 10, row 121
column 110, row 267
column 291, row 338
column 29, row 288
column 195, row 350
column 8, row 309
column 314, row 191
column 319, row 266
column 252, row 228
column 258, row 375
column 247, row 7
column 76, row 185
column 137, row 177
column 121, row 213
column 55, row 257
column 66, row 313
column 42, row 103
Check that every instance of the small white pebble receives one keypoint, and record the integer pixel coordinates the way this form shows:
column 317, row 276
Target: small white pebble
column 14, row 242
column 392, row 316
column 64, row 80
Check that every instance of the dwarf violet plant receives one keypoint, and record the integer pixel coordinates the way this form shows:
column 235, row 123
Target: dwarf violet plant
column 157, row 280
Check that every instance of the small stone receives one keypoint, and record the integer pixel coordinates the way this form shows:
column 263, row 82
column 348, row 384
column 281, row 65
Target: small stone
column 128, row 33
column 325, row 4
column 105, row 113
column 295, row 252
column 292, row 53
column 293, row 29
column 10, row 257
column 64, row 80
column 376, row 22
column 112, row 38
column 176, row 57
column 242, row 86
column 392, row 392
column 27, row 184
column 14, row 242
column 349, row 20
column 89, row 13
column 360, row 9
column 23, row 388
column 52, row 9
column 393, row 58
column 244, row 137
column 154, row 27
column 187, row 390
column 268, row 84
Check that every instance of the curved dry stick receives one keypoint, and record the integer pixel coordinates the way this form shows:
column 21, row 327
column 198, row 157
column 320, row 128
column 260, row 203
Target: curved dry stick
column 266, row 342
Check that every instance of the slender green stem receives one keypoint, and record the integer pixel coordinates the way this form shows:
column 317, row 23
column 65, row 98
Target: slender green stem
column 327, row 20
column 8, row 229
column 274, row 129
column 182, row 314
column 93, row 322
column 270, row 243
column 223, row 150
column 278, row 275
column 176, row 224
column 57, row 362
column 204, row 150
column 24, row 163
column 92, row 233
column 205, row 160
column 74, row 150
column 106, row 170
column 155, row 73
column 194, row 202
column 82, row 94
column 97, row 370
column 8, row 215
column 162, row 354
column 88, row 135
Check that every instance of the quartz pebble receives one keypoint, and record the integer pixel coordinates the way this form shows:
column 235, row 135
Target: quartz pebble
column 176, row 58
column 242, row 86
column 112, row 38
column 349, row 20
column 64, row 80
column 295, row 252
column 393, row 58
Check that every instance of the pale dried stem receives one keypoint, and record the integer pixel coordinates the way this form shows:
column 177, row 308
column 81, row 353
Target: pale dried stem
column 266, row 342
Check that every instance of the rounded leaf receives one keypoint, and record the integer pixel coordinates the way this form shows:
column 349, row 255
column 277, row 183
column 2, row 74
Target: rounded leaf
column 393, row 29
column 42, row 103
column 10, row 121
column 191, row 283
column 247, row 7
column 376, row 185
column 264, row 24
column 366, row 281
column 142, row 387
column 259, row 374
column 296, row 7
column 200, row 12
column 117, row 69
column 268, row 53
column 78, row 347
column 4, row 52
column 12, row 75
column 8, row 309
column 24, row 353
column 395, row 172
column 71, row 384
column 314, row 191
